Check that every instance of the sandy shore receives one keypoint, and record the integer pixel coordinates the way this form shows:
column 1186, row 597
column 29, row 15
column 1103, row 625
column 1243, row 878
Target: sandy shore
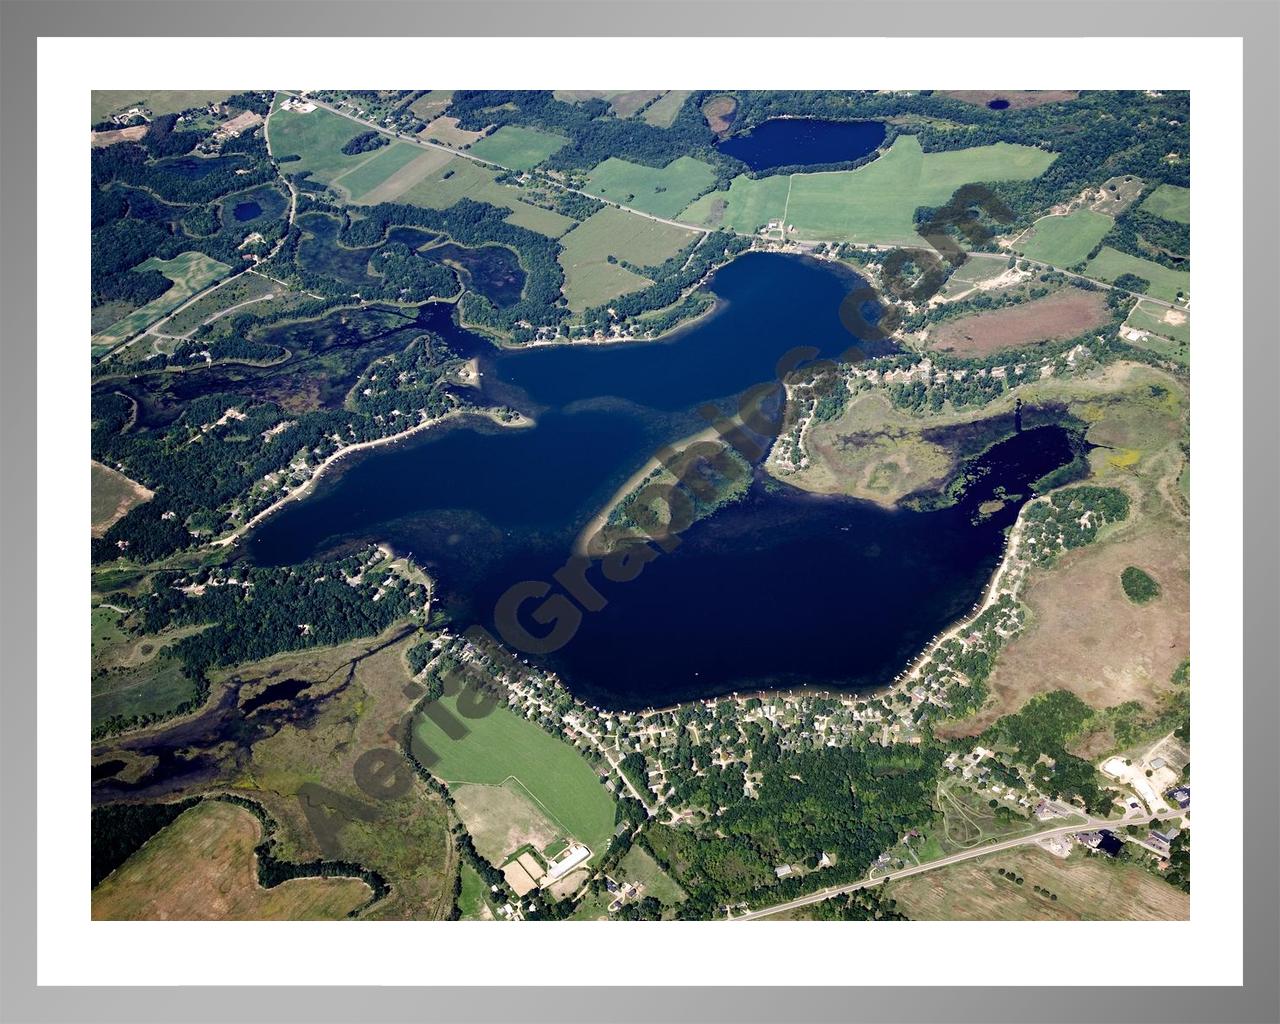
column 306, row 488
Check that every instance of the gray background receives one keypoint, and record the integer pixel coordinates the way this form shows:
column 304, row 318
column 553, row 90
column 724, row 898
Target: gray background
column 21, row 23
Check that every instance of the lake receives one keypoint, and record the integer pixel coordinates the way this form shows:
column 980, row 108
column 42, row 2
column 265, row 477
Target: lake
column 803, row 141
column 782, row 588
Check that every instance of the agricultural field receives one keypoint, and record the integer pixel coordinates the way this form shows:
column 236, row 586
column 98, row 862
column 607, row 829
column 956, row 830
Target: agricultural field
column 661, row 191
column 202, row 867
column 623, row 103
column 1172, row 202
column 1065, row 241
column 106, row 102
column 1064, row 314
column 111, row 495
column 590, row 277
column 1170, row 285
column 190, row 272
column 662, row 112
column 873, row 203
column 445, row 130
column 502, row 745
column 317, row 137
column 747, row 206
column 518, row 147
column 387, row 172
column 1088, row 887
column 459, row 178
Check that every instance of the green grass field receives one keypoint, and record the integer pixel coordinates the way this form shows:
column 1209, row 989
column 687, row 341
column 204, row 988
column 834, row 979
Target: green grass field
column 154, row 687
column 317, row 137
column 1065, row 241
column 1171, row 340
column 1172, row 202
column 639, row 866
column 106, row 102
column 590, row 278
column 662, row 111
column 748, row 205
column 875, row 202
column 661, row 191
column 471, row 900
column 502, row 744
column 244, row 288
column 378, row 166
column 1165, row 283
column 190, row 272
column 518, row 147
column 461, row 178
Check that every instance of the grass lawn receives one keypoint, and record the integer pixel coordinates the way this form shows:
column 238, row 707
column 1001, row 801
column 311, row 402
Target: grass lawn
column 1164, row 283
column 1170, row 339
column 875, row 202
column 1172, row 202
column 202, row 867
column 106, row 102
column 471, row 900
column 662, row 112
column 460, row 178
column 661, row 191
column 639, row 866
column 1065, row 241
column 502, row 744
column 518, row 147
column 590, row 279
column 190, row 272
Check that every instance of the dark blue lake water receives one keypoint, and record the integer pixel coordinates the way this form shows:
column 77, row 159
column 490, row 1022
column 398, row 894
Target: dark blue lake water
column 247, row 211
column 791, row 141
column 780, row 589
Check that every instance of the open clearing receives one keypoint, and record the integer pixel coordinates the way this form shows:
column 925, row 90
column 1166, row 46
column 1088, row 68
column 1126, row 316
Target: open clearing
column 106, row 102
column 501, row 744
column 433, row 104
column 720, row 112
column 1065, row 241
column 518, row 147
column 473, row 899
column 190, row 272
column 639, row 866
column 662, row 112
column 623, row 103
column 873, row 203
column 445, row 130
column 590, row 279
column 247, row 287
column 1164, row 283
column 1064, row 314
column 459, row 178
column 1083, row 634
column 202, row 868
column 111, row 495
column 367, row 182
column 661, row 191
column 132, row 134
column 316, row 137
column 501, row 819
column 1089, row 887
column 1172, row 202
column 1017, row 99
column 1169, row 330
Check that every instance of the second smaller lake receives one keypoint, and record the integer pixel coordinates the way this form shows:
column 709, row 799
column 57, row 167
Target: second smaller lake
column 792, row 141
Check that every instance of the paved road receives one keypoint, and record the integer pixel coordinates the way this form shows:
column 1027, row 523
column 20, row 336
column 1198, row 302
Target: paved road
column 955, row 858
